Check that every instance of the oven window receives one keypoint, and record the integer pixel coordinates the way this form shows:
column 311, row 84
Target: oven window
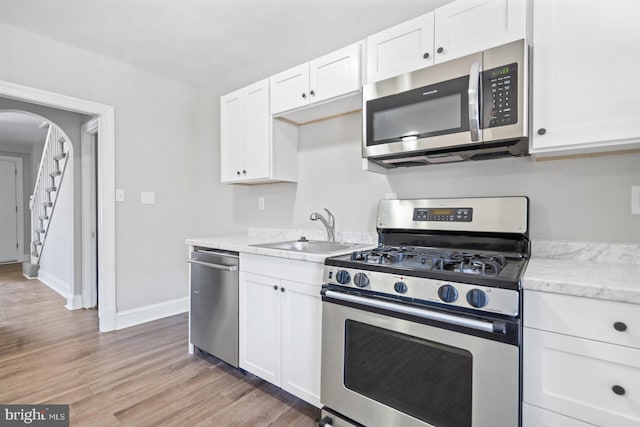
column 422, row 118
column 428, row 380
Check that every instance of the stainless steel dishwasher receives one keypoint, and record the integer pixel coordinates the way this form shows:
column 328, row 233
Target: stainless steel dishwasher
column 214, row 303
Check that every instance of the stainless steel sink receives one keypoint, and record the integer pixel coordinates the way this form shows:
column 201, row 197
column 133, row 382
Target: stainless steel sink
column 311, row 246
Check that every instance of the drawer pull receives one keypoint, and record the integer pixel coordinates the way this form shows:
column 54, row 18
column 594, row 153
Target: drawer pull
column 620, row 326
column 619, row 390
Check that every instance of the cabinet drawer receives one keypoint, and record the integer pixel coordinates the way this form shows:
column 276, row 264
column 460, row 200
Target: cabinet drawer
column 591, row 381
column 532, row 416
column 583, row 317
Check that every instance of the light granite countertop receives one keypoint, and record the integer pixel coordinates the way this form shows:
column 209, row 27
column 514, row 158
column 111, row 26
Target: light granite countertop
column 591, row 270
column 243, row 243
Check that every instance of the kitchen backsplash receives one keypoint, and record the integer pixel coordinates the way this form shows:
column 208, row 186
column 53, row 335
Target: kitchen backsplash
column 295, row 234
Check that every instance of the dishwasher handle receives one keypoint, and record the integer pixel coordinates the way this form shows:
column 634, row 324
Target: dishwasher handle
column 216, row 266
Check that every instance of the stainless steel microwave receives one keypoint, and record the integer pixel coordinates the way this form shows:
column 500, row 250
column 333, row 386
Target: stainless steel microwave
column 470, row 108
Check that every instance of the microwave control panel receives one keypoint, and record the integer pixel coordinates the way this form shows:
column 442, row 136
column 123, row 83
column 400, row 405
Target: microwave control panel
column 500, row 96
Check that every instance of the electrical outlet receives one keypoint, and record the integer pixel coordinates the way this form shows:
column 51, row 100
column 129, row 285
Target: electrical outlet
column 260, row 203
column 635, row 199
column 119, row 195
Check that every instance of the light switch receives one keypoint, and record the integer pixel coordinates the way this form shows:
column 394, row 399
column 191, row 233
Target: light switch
column 260, row 203
column 119, row 195
column 148, row 198
column 635, row 199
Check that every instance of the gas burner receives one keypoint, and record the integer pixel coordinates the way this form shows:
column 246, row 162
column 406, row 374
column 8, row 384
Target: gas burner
column 433, row 259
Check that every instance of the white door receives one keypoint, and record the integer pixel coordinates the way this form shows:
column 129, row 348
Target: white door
column 585, row 61
column 256, row 131
column 335, row 74
column 290, row 89
column 8, row 211
column 231, row 137
column 400, row 49
column 259, row 312
column 301, row 339
column 465, row 27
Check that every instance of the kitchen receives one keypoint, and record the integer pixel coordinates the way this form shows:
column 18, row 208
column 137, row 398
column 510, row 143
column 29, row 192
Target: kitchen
column 330, row 175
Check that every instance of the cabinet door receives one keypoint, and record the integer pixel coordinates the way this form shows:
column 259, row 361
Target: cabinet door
column 584, row 69
column 260, row 338
column 400, row 49
column 335, row 74
column 591, row 381
column 231, row 136
column 301, row 338
column 470, row 26
column 532, row 416
column 256, row 131
column 290, row 89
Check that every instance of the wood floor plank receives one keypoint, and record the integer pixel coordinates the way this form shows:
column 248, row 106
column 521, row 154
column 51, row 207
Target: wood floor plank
column 139, row 376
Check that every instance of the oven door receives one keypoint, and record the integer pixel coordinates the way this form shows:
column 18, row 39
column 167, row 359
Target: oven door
column 382, row 368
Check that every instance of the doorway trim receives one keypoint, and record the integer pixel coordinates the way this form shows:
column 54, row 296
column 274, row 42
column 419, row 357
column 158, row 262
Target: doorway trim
column 106, row 185
column 88, row 134
column 19, row 205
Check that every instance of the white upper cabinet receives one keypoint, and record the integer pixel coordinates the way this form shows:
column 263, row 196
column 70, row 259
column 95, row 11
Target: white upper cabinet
column 451, row 31
column 254, row 149
column 585, row 69
column 400, row 49
column 324, row 78
column 469, row 26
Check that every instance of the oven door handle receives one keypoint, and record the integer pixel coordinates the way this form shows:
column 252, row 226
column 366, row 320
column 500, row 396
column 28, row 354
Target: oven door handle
column 480, row 325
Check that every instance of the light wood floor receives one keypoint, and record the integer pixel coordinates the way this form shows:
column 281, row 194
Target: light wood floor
column 139, row 376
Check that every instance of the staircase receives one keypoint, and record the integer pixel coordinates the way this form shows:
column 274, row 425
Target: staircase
column 43, row 201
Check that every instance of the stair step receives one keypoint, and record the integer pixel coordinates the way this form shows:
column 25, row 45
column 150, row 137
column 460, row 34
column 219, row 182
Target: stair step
column 47, row 204
column 43, row 217
column 51, row 189
column 37, row 242
column 34, row 253
column 60, row 156
column 41, row 230
column 55, row 173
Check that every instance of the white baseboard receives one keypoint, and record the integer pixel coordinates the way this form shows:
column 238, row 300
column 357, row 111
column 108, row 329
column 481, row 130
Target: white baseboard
column 136, row 316
column 54, row 283
column 74, row 302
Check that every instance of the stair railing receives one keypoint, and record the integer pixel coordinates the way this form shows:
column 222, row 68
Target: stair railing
column 42, row 201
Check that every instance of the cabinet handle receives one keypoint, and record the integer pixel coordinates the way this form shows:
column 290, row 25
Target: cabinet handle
column 542, row 131
column 281, row 289
column 304, row 95
column 440, row 49
column 238, row 172
column 426, row 55
column 275, row 287
column 619, row 390
column 312, row 93
column 620, row 326
column 244, row 172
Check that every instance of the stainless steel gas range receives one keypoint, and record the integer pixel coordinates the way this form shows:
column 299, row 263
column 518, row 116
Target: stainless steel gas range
column 425, row 329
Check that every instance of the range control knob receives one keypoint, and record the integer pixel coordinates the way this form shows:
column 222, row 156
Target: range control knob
column 361, row 280
column 343, row 277
column 477, row 298
column 400, row 287
column 447, row 293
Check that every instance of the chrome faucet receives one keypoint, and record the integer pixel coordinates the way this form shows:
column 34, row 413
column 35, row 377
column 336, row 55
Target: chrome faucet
column 328, row 224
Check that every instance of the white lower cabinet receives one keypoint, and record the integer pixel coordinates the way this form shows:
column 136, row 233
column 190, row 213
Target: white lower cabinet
column 280, row 325
column 579, row 376
column 532, row 416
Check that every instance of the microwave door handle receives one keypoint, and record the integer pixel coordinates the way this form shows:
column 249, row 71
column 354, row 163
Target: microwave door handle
column 474, row 101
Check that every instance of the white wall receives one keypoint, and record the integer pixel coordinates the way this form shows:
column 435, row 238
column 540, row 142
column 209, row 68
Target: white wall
column 155, row 129
column 578, row 199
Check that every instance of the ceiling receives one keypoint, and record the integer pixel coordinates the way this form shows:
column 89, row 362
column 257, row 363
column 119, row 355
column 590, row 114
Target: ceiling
column 21, row 129
column 194, row 41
